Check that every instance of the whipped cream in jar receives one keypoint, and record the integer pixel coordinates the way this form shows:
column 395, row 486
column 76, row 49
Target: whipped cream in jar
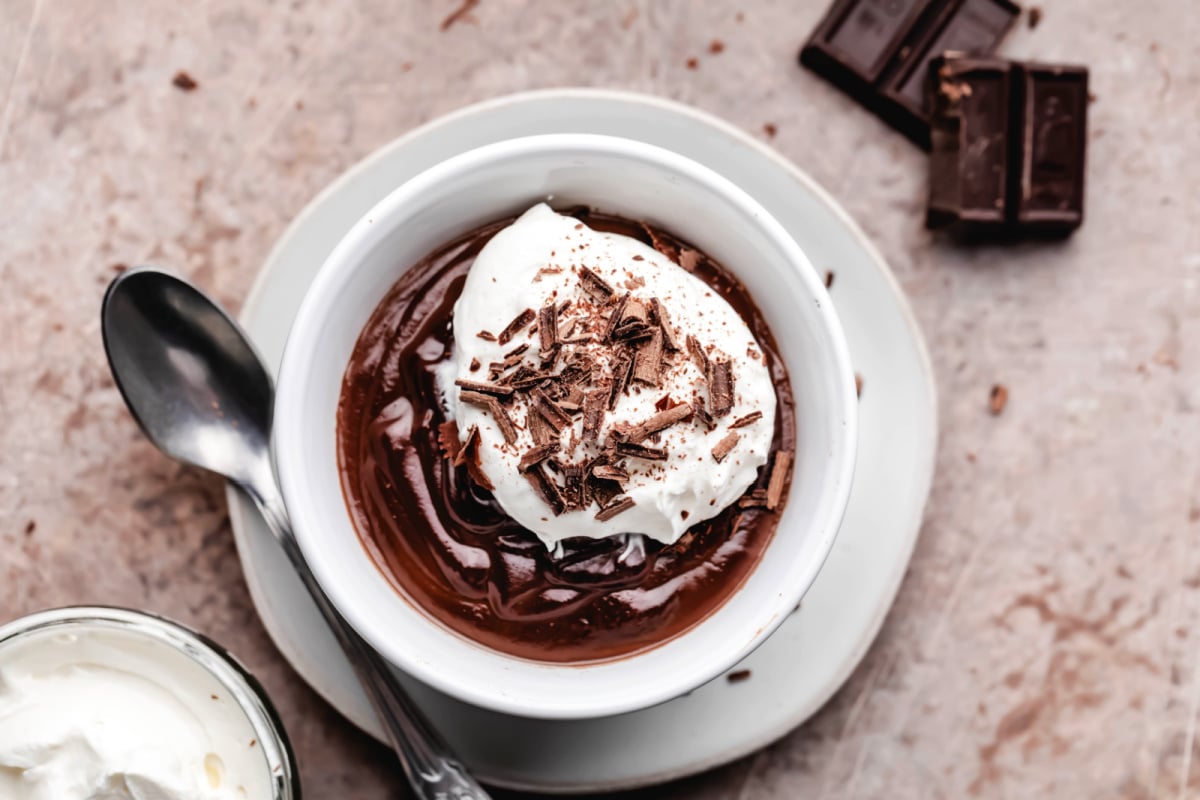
column 116, row 704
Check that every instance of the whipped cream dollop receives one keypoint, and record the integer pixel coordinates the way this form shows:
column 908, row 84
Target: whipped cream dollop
column 107, row 714
column 655, row 407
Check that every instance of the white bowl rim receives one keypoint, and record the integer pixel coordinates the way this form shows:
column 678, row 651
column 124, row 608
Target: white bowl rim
column 337, row 269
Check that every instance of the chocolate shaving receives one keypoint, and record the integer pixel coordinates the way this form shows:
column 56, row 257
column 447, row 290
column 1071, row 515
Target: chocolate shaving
column 595, row 402
column 448, row 439
column 640, row 451
column 754, row 499
column 749, row 419
column 720, row 388
column 487, row 336
column 696, row 351
column 633, row 311
column 546, row 488
column 658, row 315
column 647, row 365
column 492, row 406
column 480, row 387
column 702, row 414
column 549, row 409
column 616, row 316
column 725, row 445
column 622, row 366
column 689, row 259
column 516, row 352
column 573, row 489
column 536, row 455
column 631, row 332
column 614, row 508
column 514, row 327
column 594, row 285
column 599, row 489
column 607, row 472
column 779, row 473
column 538, row 428
column 548, row 327
column 660, row 421
column 469, row 456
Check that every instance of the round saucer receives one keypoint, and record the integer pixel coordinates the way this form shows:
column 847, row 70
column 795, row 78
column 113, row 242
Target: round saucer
column 816, row 649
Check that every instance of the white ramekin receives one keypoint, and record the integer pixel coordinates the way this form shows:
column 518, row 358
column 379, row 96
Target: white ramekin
column 637, row 181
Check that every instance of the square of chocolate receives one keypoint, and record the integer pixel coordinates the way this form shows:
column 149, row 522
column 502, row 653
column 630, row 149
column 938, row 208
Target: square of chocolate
column 1009, row 140
column 878, row 51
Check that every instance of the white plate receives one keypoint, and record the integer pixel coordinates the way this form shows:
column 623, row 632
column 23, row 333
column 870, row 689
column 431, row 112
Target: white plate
column 812, row 654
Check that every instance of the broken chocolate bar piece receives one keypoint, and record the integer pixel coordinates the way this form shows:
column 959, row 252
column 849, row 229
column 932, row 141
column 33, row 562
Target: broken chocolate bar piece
column 1008, row 147
column 878, row 50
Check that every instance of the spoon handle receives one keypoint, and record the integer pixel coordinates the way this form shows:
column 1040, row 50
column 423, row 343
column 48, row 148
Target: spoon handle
column 433, row 771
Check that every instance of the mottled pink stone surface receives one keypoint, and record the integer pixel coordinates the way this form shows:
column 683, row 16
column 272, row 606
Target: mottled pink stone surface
column 1044, row 643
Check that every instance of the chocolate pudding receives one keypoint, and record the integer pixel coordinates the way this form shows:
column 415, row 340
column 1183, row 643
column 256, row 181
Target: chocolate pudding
column 426, row 509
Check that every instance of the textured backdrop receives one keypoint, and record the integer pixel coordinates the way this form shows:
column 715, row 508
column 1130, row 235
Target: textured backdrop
column 1045, row 640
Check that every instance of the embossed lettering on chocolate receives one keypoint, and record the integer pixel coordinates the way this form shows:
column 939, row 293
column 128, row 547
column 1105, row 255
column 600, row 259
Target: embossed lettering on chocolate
column 445, row 544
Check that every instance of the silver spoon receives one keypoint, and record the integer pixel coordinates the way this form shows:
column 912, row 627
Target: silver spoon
column 200, row 393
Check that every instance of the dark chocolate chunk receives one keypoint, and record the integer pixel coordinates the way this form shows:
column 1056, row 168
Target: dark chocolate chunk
column 594, row 285
column 548, row 327
column 878, row 51
column 1008, row 147
column 720, row 387
column 515, row 327
column 481, row 387
column 640, row 451
column 546, row 488
column 537, row 454
column 726, row 444
column 614, row 508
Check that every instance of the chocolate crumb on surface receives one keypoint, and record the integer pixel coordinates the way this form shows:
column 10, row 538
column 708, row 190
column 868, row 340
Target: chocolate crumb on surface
column 738, row 676
column 614, row 508
column 858, row 384
column 474, row 367
column 725, row 445
column 1035, row 17
column 998, row 399
column 770, row 129
column 716, row 46
column 779, row 472
column 515, row 327
column 184, row 82
column 828, row 279
column 748, row 419
column 487, row 336
column 461, row 13
column 692, row 63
